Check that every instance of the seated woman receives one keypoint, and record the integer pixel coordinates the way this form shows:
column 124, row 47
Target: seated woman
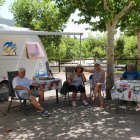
column 98, row 82
column 76, row 80
column 130, row 73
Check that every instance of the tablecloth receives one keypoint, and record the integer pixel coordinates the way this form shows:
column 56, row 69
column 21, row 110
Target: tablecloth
column 52, row 84
column 128, row 90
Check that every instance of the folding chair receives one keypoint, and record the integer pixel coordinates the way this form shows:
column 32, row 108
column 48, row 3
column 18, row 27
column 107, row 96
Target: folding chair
column 91, row 90
column 68, row 71
column 49, row 72
column 14, row 94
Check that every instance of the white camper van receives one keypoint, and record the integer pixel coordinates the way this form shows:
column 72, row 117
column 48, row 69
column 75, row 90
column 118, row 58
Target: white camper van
column 19, row 48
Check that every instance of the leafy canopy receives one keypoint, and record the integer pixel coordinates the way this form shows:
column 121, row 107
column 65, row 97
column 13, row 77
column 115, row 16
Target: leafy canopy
column 104, row 10
column 131, row 21
column 37, row 15
column 2, row 2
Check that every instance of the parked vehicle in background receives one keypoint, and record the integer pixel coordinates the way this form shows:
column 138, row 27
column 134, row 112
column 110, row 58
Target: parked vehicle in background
column 19, row 48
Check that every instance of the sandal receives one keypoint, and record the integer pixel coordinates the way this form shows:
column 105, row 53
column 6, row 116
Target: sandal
column 138, row 107
column 102, row 105
column 93, row 99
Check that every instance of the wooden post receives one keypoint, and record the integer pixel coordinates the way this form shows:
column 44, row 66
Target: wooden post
column 59, row 63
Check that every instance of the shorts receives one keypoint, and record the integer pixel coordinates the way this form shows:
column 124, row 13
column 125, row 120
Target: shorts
column 26, row 95
column 80, row 88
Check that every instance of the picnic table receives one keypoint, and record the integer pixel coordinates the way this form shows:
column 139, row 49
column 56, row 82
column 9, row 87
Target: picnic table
column 52, row 84
column 128, row 90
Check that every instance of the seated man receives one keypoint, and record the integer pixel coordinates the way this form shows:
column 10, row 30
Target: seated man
column 21, row 83
column 130, row 73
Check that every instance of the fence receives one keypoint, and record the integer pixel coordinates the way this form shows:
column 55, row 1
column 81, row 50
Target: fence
column 119, row 64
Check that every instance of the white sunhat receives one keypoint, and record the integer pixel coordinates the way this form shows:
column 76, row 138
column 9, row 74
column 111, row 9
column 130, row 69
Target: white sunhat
column 97, row 62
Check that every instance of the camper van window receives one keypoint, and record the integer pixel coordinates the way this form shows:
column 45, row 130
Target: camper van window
column 34, row 50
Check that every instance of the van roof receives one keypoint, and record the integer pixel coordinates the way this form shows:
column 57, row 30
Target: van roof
column 5, row 29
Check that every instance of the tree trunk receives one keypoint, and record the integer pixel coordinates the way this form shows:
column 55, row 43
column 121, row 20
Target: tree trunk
column 110, row 59
column 138, row 47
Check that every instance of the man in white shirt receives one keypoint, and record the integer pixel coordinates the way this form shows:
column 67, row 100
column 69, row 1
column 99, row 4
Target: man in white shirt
column 22, row 85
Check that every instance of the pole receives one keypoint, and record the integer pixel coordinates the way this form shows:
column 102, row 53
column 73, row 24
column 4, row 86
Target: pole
column 59, row 65
column 80, row 49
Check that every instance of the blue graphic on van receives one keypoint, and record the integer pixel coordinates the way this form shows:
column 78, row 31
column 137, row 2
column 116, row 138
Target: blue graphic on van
column 9, row 49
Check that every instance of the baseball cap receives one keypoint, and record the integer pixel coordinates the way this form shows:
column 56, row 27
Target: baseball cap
column 97, row 62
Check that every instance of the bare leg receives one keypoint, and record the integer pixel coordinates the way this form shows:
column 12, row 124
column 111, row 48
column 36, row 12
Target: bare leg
column 99, row 94
column 74, row 94
column 35, row 103
column 84, row 96
column 98, row 90
column 95, row 91
column 41, row 93
column 41, row 97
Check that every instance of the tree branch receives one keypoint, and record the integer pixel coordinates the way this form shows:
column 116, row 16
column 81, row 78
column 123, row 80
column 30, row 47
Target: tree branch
column 125, row 9
column 106, row 5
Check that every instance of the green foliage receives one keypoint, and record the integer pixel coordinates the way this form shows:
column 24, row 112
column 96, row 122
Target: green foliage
column 130, row 23
column 2, row 2
column 40, row 15
column 48, row 16
column 130, row 47
column 95, row 48
column 125, row 50
column 69, row 48
column 119, row 48
column 72, row 48
column 90, row 9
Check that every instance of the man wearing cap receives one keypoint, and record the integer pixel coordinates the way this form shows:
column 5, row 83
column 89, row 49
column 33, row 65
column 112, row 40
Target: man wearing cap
column 22, row 85
column 98, row 81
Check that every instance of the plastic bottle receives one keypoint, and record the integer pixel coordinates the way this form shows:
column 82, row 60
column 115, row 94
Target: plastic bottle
column 37, row 75
column 129, row 93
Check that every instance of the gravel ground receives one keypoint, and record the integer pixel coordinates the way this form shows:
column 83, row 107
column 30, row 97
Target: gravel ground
column 68, row 123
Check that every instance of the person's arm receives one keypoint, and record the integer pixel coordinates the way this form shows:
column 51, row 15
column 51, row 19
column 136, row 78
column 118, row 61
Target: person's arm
column 86, row 70
column 103, row 76
column 137, row 76
column 123, row 77
column 70, row 78
column 18, row 87
column 83, row 77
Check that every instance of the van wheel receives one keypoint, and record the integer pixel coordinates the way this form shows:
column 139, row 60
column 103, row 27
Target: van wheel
column 4, row 85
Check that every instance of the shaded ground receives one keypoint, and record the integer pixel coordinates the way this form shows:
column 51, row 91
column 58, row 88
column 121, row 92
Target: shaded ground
column 68, row 123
